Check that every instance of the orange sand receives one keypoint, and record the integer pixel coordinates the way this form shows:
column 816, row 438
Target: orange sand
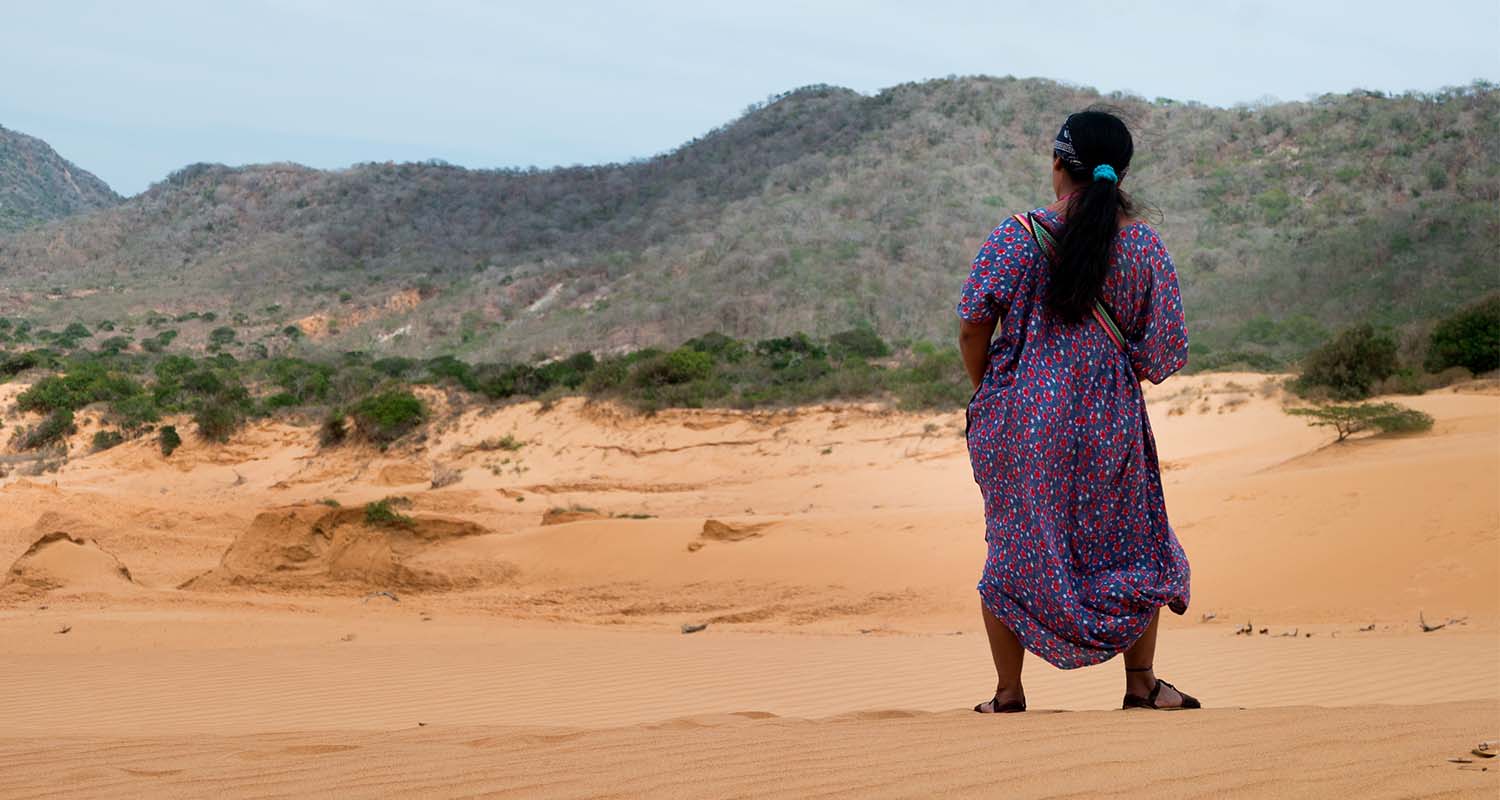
column 832, row 553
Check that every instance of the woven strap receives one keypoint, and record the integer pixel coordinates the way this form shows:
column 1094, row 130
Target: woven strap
column 1047, row 244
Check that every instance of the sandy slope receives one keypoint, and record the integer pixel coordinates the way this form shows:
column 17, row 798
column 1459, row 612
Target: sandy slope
column 836, row 579
column 1292, row 752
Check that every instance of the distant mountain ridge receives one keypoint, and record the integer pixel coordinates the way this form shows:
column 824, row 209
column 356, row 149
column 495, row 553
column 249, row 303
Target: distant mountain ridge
column 37, row 184
column 821, row 210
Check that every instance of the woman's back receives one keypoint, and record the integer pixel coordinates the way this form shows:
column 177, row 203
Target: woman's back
column 1011, row 279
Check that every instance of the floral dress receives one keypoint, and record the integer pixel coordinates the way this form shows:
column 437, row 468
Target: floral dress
column 1080, row 553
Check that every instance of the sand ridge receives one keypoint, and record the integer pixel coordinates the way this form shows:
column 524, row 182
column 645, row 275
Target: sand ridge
column 59, row 561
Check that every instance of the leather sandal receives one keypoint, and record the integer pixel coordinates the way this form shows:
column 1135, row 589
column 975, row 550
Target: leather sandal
column 996, row 707
column 1149, row 701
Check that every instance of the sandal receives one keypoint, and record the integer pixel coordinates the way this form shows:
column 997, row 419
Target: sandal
column 1014, row 706
column 1149, row 701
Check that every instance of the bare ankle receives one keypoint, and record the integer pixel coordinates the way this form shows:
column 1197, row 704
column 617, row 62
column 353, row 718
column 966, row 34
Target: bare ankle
column 1140, row 677
column 1007, row 692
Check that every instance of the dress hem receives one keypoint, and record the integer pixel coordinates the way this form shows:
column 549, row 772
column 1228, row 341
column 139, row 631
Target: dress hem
column 1085, row 655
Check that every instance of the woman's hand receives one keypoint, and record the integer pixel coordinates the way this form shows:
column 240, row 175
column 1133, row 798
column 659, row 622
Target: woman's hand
column 974, row 347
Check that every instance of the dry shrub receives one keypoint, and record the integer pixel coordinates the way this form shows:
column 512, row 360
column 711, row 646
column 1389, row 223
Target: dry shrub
column 445, row 475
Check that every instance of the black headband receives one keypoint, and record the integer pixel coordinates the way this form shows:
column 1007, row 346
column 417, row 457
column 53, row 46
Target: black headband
column 1062, row 147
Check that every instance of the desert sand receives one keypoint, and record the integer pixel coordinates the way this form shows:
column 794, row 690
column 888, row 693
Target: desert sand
column 225, row 622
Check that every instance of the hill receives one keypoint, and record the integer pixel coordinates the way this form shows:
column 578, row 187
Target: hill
column 819, row 210
column 37, row 184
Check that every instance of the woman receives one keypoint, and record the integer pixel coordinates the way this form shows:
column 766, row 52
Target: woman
column 1084, row 296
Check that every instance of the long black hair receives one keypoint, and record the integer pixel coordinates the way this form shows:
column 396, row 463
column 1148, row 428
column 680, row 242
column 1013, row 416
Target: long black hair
column 1092, row 215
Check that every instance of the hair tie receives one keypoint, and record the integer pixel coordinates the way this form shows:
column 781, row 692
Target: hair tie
column 1105, row 172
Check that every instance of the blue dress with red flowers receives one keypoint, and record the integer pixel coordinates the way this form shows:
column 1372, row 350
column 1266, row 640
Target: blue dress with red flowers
column 1080, row 553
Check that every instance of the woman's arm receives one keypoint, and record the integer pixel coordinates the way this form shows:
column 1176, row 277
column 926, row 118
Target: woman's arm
column 974, row 347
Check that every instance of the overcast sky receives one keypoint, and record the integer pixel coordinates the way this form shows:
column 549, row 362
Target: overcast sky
column 134, row 90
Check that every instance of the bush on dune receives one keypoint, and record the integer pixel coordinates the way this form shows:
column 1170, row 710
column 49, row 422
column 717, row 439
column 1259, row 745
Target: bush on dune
column 218, row 421
column 386, row 416
column 168, row 439
column 1350, row 366
column 104, row 440
column 51, row 431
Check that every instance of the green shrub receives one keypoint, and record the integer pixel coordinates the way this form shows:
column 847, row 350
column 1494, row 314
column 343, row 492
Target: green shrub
column 609, row 375
column 203, row 382
column 279, row 401
column 77, row 330
column 174, row 367
column 1351, row 419
column 498, row 381
column 1349, row 366
column 858, row 343
column 84, row 382
column 134, row 412
column 387, row 416
column 53, row 430
column 1469, row 338
column 114, row 344
column 103, row 440
column 305, row 381
column 1404, row 381
column 721, row 347
column 168, row 439
column 217, row 420
column 14, row 364
column 220, row 337
column 679, row 366
column 788, row 350
column 395, row 367
column 570, row 372
column 450, row 368
column 383, row 513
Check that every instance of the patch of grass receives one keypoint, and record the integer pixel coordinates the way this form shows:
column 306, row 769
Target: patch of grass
column 507, row 442
column 383, row 513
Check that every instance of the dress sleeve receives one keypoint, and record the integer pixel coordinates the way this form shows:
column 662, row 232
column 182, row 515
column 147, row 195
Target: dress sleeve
column 1157, row 339
column 995, row 274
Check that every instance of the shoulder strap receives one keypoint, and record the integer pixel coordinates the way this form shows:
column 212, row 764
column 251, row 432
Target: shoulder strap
column 1046, row 243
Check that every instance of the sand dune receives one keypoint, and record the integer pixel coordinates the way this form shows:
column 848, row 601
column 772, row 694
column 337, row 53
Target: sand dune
column 315, row 547
column 534, row 602
column 59, row 561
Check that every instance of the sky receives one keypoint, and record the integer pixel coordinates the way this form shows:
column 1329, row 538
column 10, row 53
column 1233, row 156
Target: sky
column 133, row 90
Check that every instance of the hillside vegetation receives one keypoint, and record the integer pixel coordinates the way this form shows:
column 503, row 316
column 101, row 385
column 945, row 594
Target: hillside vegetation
column 37, row 184
column 821, row 211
